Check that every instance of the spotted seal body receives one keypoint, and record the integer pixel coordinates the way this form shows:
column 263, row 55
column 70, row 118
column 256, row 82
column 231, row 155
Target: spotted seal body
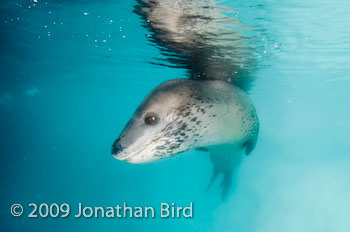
column 189, row 114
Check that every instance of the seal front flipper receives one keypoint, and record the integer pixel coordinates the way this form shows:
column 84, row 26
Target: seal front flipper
column 249, row 146
column 202, row 149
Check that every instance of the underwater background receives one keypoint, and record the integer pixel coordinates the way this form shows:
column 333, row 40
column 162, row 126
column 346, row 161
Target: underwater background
column 73, row 72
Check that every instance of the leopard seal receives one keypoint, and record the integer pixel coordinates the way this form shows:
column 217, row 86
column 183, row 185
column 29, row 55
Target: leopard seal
column 181, row 115
column 211, row 111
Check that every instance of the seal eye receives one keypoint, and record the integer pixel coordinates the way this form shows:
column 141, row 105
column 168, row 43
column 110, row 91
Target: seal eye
column 149, row 120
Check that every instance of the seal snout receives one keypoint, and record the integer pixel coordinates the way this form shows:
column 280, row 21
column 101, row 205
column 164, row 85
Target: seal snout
column 116, row 148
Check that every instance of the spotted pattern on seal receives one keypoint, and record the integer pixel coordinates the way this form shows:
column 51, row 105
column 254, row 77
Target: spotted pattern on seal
column 186, row 126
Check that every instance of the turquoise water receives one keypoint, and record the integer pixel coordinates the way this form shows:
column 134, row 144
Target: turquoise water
column 73, row 72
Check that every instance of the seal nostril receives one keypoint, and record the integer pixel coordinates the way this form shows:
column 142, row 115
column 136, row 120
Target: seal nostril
column 116, row 147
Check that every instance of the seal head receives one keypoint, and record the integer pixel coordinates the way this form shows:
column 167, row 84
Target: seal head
column 157, row 129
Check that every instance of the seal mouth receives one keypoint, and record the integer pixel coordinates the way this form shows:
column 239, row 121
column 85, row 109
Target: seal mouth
column 127, row 157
